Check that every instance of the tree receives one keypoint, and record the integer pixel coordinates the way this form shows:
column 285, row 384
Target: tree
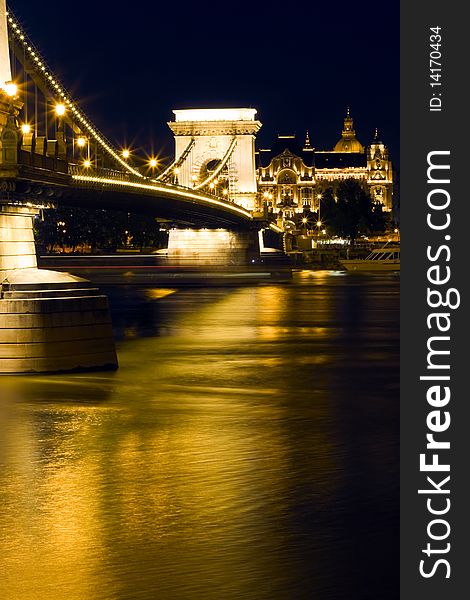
column 353, row 213
column 328, row 213
column 144, row 230
column 73, row 228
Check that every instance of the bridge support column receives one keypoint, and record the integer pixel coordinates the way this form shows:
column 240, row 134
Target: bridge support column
column 49, row 321
column 212, row 247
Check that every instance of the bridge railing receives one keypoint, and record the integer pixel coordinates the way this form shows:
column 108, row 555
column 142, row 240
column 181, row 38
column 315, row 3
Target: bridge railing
column 42, row 161
column 102, row 172
column 121, row 176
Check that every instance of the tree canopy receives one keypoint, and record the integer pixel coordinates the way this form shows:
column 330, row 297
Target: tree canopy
column 351, row 212
column 79, row 228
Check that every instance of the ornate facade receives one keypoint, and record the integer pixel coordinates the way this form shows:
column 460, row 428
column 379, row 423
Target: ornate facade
column 217, row 145
column 292, row 177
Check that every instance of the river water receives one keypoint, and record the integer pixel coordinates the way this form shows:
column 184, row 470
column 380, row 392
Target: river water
column 246, row 448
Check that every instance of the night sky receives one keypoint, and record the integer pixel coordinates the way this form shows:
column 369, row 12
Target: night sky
column 300, row 64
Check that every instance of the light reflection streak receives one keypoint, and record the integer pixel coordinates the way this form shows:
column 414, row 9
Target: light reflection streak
column 208, row 455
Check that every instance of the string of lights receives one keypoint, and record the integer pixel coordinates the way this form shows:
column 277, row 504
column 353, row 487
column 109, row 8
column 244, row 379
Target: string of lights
column 64, row 100
column 174, row 191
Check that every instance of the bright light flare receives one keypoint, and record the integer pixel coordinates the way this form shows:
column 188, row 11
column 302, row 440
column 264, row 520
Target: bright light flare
column 87, row 163
column 81, row 142
column 126, row 153
column 153, row 162
column 11, row 89
column 60, row 110
column 25, row 128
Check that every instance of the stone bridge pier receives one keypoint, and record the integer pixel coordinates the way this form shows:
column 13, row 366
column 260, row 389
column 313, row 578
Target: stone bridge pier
column 212, row 247
column 49, row 321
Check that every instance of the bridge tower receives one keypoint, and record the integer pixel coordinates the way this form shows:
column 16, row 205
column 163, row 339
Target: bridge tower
column 217, row 145
column 48, row 321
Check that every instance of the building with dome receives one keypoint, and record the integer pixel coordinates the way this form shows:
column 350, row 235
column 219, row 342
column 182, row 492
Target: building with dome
column 292, row 176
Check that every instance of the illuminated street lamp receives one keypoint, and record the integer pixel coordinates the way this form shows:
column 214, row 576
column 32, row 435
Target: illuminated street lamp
column 60, row 110
column 304, row 223
column 11, row 89
column 319, row 224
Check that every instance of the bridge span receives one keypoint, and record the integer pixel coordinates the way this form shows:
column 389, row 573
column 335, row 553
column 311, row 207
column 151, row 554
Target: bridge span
column 52, row 154
column 115, row 190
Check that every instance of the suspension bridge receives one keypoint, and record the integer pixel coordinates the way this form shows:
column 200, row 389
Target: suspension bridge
column 51, row 153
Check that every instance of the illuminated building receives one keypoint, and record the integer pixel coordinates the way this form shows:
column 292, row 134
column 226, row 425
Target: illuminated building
column 217, row 145
column 292, row 176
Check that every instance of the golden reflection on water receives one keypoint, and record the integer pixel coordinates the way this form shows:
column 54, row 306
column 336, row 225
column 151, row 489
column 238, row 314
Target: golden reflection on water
column 213, row 464
column 157, row 293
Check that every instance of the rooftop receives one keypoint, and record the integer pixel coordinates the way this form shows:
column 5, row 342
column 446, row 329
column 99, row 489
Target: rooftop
column 215, row 114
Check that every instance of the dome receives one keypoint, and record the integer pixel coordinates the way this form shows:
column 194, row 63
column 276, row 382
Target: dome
column 348, row 141
column 349, row 145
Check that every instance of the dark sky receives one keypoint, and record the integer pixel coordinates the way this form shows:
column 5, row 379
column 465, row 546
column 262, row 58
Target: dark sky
column 300, row 64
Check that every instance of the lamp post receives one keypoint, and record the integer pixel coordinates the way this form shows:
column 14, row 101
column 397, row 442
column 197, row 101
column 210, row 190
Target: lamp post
column 319, row 197
column 319, row 224
column 81, row 143
column 60, row 135
column 305, row 222
column 152, row 165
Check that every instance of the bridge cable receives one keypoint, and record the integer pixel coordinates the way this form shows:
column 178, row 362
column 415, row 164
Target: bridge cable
column 220, row 166
column 56, row 90
column 177, row 162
